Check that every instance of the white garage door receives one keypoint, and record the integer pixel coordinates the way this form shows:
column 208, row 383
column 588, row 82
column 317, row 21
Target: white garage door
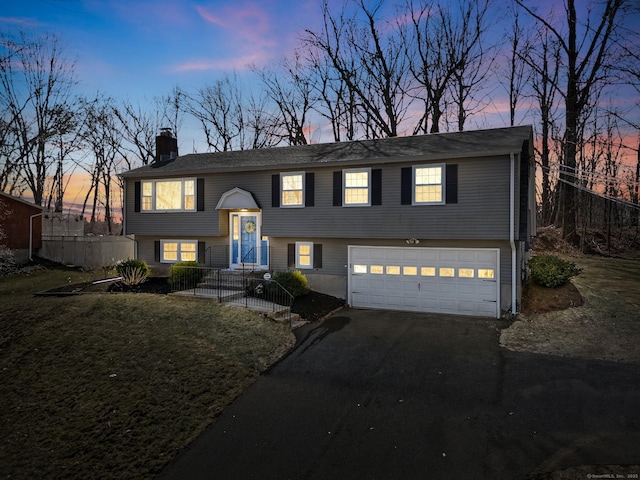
column 461, row 281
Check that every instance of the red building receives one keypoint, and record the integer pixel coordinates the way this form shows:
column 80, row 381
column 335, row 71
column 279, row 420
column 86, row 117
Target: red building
column 21, row 223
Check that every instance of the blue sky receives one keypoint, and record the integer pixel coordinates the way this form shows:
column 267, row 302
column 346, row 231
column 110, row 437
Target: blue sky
column 145, row 47
column 138, row 49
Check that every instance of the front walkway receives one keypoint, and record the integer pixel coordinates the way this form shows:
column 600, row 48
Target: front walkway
column 234, row 298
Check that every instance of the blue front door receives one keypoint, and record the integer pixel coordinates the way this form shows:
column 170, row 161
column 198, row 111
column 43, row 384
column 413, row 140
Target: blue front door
column 248, row 247
column 248, row 239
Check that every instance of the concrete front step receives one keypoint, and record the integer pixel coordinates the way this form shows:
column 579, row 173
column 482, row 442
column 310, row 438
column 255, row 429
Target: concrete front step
column 227, row 280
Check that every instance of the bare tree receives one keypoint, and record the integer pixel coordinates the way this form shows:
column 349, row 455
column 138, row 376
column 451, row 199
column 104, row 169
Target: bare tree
column 518, row 72
column 230, row 118
column 102, row 138
column 36, row 93
column 10, row 180
column 444, row 46
column 65, row 142
column 139, row 126
column 368, row 57
column 587, row 49
column 544, row 64
column 290, row 89
column 465, row 36
column 333, row 99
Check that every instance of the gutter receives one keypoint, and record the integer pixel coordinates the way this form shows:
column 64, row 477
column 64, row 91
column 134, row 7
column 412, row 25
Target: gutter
column 512, row 221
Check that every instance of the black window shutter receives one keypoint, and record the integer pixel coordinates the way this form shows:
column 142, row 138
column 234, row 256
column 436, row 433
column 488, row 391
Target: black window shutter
column 291, row 255
column 202, row 252
column 200, row 195
column 451, row 189
column 376, row 186
column 275, row 190
column 310, row 188
column 317, row 255
column 406, row 185
column 156, row 250
column 337, row 189
column 137, row 191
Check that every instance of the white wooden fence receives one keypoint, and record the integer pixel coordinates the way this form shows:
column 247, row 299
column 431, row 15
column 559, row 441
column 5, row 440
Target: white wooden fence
column 90, row 252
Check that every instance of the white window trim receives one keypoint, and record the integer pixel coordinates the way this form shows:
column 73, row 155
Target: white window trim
column 301, row 244
column 301, row 205
column 179, row 242
column 443, row 178
column 344, row 187
column 153, row 195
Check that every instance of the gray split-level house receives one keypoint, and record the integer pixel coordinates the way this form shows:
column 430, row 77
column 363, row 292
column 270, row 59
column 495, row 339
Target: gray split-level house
column 437, row 223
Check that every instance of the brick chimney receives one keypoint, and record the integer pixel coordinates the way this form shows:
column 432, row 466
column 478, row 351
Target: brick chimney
column 166, row 146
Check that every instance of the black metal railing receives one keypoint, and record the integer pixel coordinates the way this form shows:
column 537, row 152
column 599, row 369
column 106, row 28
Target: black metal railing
column 245, row 288
column 217, row 256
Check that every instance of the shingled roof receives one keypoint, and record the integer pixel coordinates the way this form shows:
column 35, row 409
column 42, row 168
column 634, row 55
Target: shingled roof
column 431, row 147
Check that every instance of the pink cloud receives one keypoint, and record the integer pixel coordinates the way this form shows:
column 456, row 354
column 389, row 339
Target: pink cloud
column 248, row 25
column 245, row 33
column 234, row 63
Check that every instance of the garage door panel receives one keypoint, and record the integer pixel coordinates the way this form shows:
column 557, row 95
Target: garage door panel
column 458, row 281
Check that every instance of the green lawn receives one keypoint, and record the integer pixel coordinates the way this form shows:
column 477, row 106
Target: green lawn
column 114, row 385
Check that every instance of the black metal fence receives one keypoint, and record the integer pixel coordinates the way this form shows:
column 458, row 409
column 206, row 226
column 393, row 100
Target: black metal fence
column 217, row 256
column 248, row 289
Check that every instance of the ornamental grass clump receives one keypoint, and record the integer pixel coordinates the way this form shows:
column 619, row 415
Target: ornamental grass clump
column 551, row 271
column 133, row 272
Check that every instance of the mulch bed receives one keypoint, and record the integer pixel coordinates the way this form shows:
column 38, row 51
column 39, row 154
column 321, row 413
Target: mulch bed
column 539, row 299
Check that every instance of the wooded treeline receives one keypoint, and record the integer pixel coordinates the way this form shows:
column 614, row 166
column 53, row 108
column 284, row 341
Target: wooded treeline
column 369, row 70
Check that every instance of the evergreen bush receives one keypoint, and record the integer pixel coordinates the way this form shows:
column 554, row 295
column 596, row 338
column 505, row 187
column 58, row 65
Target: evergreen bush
column 294, row 281
column 551, row 271
column 185, row 275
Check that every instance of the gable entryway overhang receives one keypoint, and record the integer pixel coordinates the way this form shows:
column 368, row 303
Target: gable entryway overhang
column 237, row 199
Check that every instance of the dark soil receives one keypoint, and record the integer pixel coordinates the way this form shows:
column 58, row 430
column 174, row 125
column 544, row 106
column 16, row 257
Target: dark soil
column 314, row 305
column 539, row 299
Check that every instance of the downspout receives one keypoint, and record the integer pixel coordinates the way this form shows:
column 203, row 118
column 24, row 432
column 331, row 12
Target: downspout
column 512, row 221
column 124, row 206
column 31, row 234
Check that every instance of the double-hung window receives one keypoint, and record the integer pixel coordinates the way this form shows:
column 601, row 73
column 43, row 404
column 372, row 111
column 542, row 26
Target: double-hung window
column 292, row 188
column 169, row 195
column 178, row 251
column 304, row 255
column 357, row 187
column 428, row 184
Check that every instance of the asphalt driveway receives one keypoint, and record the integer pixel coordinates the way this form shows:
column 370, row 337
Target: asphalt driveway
column 390, row 395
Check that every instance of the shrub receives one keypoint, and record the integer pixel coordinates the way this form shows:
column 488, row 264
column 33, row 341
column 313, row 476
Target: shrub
column 551, row 271
column 294, row 281
column 7, row 261
column 133, row 272
column 185, row 275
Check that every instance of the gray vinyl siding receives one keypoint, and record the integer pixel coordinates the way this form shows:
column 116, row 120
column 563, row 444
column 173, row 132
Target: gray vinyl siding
column 482, row 210
column 145, row 246
column 207, row 222
column 335, row 254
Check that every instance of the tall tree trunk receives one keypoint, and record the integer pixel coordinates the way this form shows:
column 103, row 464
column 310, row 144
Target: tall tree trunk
column 568, row 170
